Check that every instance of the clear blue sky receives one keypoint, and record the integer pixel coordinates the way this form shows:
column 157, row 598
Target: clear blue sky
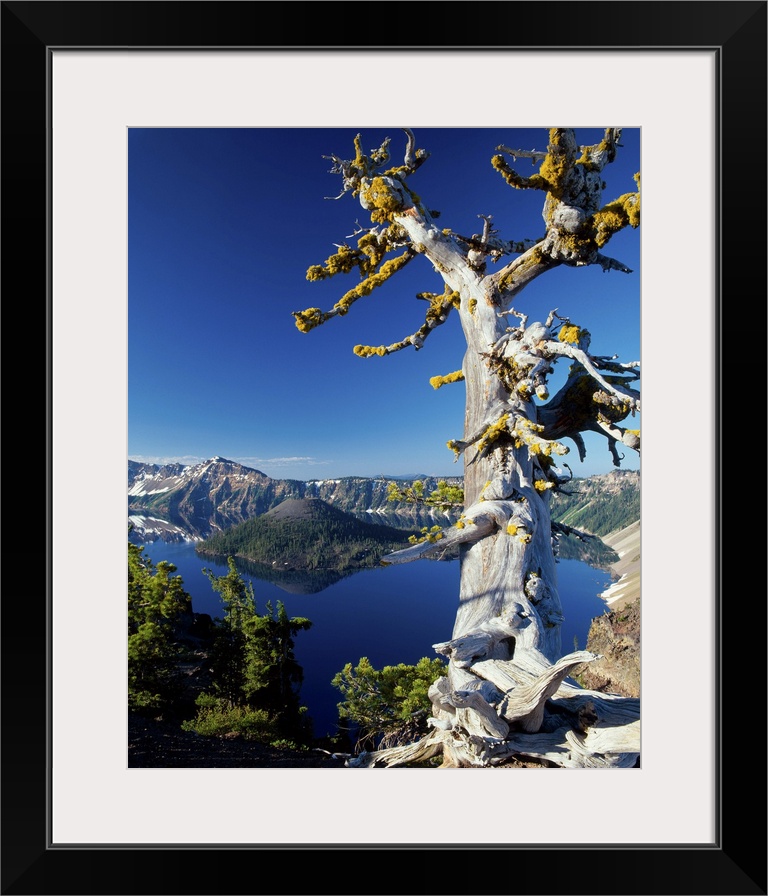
column 223, row 225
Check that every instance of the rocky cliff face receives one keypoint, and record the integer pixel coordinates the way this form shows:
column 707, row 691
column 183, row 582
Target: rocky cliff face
column 204, row 498
column 615, row 637
column 600, row 504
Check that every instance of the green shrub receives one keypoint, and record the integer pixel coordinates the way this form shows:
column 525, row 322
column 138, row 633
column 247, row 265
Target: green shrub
column 215, row 718
column 283, row 744
column 390, row 705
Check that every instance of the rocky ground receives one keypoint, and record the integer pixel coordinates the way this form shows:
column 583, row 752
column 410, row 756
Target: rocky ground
column 616, row 638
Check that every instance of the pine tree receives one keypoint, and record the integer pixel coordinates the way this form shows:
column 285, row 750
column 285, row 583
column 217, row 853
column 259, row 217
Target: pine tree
column 273, row 677
column 156, row 601
column 229, row 652
column 256, row 678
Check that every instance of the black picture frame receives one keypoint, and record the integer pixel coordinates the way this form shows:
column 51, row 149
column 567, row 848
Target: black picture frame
column 736, row 863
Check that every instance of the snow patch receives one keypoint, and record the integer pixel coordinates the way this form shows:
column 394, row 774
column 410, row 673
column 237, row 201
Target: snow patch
column 612, row 594
column 138, row 491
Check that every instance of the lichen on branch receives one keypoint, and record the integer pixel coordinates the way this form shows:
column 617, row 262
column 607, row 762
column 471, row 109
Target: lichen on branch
column 440, row 307
column 312, row 317
column 509, row 430
column 437, row 382
column 577, row 225
column 384, row 194
column 615, row 216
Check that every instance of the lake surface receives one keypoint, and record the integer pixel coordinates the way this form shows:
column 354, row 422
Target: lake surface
column 391, row 614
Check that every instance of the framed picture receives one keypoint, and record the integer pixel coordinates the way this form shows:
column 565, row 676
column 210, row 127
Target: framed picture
column 77, row 77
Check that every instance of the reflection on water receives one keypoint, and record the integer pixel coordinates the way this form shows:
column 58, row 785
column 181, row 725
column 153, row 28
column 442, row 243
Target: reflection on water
column 294, row 581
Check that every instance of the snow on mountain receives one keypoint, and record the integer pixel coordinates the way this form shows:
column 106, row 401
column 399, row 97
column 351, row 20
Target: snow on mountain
column 218, row 493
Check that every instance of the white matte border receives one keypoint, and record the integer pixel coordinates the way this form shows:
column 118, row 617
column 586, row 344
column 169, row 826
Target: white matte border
column 96, row 799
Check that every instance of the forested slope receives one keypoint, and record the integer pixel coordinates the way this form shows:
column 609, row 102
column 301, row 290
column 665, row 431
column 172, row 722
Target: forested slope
column 307, row 534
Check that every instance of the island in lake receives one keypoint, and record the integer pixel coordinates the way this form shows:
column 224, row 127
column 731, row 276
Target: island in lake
column 307, row 534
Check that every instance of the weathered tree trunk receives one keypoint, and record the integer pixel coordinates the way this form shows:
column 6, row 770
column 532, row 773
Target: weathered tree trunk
column 496, row 569
column 505, row 694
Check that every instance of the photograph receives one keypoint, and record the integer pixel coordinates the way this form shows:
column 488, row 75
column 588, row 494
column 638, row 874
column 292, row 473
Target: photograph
column 337, row 557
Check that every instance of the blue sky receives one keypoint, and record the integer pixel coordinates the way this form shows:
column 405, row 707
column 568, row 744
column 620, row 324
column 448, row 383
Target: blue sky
column 222, row 227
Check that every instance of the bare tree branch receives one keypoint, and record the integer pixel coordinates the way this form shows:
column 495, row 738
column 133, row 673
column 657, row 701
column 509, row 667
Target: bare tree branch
column 437, row 314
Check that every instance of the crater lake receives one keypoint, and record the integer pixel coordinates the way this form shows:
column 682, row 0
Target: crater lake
column 389, row 614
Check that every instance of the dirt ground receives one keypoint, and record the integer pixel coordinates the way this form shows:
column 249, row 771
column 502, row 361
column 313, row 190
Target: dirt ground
column 163, row 744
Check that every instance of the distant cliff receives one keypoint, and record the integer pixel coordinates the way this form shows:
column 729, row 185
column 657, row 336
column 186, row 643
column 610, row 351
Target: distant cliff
column 201, row 499
column 176, row 502
column 598, row 505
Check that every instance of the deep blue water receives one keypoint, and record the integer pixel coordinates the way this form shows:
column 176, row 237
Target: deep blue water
column 390, row 614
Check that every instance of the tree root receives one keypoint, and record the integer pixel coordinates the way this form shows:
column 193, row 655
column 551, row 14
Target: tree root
column 540, row 717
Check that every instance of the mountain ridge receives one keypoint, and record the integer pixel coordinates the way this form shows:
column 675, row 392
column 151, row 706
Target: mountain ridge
column 178, row 502
column 216, row 494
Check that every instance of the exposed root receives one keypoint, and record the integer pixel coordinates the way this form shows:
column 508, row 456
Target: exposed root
column 540, row 718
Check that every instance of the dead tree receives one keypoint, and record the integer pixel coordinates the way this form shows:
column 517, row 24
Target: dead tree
column 507, row 691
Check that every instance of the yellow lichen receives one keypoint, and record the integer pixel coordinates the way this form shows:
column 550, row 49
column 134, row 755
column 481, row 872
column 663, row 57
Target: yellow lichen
column 361, row 159
column 493, row 432
column 516, row 180
column 529, row 260
column 366, row 351
column 309, row 319
column 570, row 333
column 370, row 283
column 387, row 195
column 373, row 248
column 615, row 216
column 556, row 165
column 342, row 262
column 586, row 158
column 437, row 381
